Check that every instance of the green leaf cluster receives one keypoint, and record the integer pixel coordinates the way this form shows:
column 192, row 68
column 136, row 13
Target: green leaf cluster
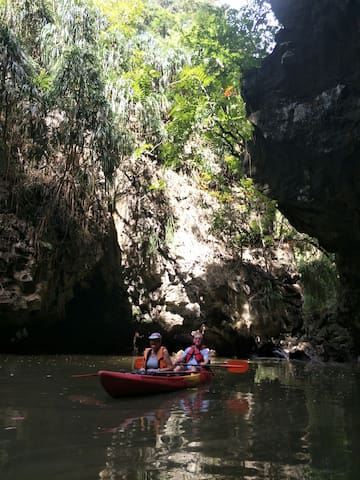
column 246, row 218
column 318, row 276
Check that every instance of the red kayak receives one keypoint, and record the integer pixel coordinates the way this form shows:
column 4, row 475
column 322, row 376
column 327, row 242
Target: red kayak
column 119, row 384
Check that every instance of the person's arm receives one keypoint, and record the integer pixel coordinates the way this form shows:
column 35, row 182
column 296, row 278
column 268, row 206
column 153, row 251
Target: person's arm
column 181, row 360
column 167, row 360
column 143, row 365
column 206, row 356
column 184, row 355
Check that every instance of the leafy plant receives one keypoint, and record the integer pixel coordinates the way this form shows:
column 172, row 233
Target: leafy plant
column 319, row 279
column 206, row 94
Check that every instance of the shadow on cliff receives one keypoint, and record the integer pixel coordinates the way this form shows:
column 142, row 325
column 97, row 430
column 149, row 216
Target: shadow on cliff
column 242, row 303
column 97, row 319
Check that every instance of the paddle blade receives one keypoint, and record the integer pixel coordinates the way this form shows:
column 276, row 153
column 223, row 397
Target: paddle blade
column 138, row 363
column 233, row 366
column 237, row 369
column 237, row 366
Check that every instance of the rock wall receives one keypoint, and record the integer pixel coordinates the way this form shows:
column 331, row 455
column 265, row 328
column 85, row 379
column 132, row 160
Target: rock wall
column 160, row 269
column 59, row 296
column 179, row 275
column 304, row 103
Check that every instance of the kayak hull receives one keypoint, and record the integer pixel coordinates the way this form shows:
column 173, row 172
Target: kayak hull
column 118, row 384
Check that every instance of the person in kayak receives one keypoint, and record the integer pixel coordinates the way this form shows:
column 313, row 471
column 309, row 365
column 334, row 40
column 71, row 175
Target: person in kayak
column 195, row 356
column 156, row 357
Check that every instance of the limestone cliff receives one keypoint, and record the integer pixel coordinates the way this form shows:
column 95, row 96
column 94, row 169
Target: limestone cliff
column 180, row 275
column 304, row 102
column 58, row 288
column 61, row 290
column 73, row 296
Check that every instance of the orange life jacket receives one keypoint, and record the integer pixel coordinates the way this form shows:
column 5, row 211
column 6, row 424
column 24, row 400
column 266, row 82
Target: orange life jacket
column 194, row 351
column 160, row 357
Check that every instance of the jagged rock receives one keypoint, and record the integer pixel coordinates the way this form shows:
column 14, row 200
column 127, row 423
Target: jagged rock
column 17, row 267
column 304, row 103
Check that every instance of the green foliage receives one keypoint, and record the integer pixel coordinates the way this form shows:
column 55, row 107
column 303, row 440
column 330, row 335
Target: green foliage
column 245, row 218
column 206, row 93
column 26, row 19
column 19, row 99
column 153, row 243
column 169, row 230
column 124, row 16
column 257, row 31
column 161, row 241
column 168, row 70
column 78, row 92
column 319, row 279
column 158, row 185
column 56, row 124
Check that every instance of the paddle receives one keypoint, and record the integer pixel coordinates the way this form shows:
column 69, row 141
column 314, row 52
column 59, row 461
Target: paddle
column 136, row 366
column 232, row 366
column 154, row 373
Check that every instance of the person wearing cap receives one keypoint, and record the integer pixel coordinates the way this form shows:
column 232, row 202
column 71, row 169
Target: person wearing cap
column 156, row 357
column 195, row 356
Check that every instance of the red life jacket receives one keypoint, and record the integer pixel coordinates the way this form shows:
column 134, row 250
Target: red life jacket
column 196, row 353
column 160, row 357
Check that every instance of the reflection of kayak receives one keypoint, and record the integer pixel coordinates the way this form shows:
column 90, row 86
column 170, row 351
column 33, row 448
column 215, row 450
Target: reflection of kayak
column 190, row 402
column 119, row 384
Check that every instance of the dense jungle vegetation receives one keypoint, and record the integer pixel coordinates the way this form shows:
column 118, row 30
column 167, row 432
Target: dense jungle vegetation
column 92, row 86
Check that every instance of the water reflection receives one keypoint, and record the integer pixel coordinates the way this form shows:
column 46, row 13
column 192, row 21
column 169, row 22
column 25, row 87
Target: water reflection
column 236, row 432
column 258, row 429
column 167, row 438
column 279, row 421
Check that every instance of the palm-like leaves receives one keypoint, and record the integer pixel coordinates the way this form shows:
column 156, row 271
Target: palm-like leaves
column 19, row 107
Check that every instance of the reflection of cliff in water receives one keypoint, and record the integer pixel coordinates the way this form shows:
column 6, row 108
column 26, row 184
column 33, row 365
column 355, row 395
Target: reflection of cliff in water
column 279, row 422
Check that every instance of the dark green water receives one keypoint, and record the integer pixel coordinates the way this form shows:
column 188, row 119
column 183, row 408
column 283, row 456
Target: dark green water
column 278, row 421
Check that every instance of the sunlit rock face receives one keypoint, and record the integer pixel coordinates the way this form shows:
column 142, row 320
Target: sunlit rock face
column 179, row 274
column 304, row 102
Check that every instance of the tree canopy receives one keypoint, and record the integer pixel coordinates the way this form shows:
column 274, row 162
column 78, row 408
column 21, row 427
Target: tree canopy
column 125, row 75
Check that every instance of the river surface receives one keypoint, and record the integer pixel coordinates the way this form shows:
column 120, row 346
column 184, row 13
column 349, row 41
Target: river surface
column 278, row 421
